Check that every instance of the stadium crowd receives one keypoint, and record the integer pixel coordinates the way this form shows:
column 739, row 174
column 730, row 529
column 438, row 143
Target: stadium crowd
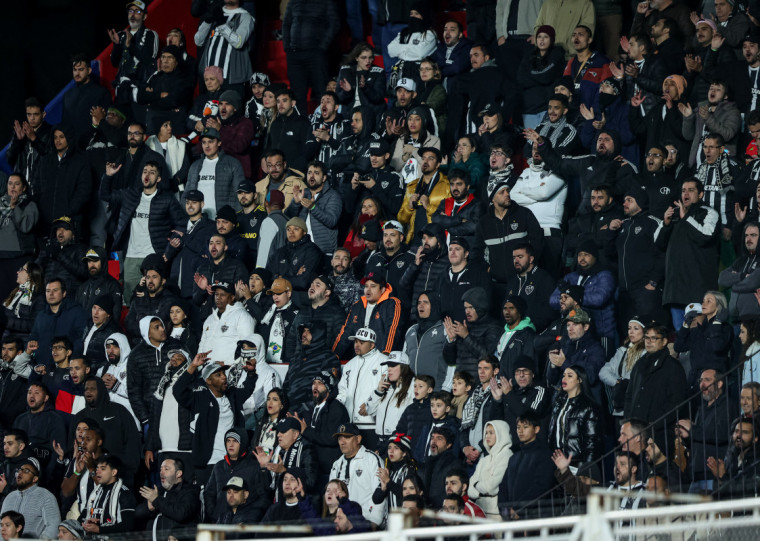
column 485, row 272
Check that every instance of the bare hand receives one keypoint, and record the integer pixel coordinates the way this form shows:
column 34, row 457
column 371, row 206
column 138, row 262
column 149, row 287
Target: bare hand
column 345, row 85
column 740, row 212
column 149, row 458
column 150, row 494
column 112, row 169
column 19, row 131
column 717, row 41
column 58, row 450
column 502, row 40
column 418, row 256
column 460, row 329
column 632, row 70
column 668, row 217
column 113, row 35
column 616, row 224
column 200, row 359
column 637, row 99
column 262, row 456
column 297, row 418
column 557, row 357
column 242, row 290
column 496, row 391
column 625, row 44
column 532, row 136
column 201, row 281
column 301, row 270
column 108, row 381
column 586, row 112
column 363, row 410
column 561, row 461
column 616, row 70
column 32, row 346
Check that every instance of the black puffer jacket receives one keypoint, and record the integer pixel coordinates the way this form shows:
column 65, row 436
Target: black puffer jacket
column 165, row 214
column 331, row 315
column 228, row 270
column 309, row 25
column 25, row 155
column 313, row 360
column 451, row 287
column 353, row 154
column 175, row 509
column 96, row 351
column 286, row 262
column 709, row 346
column 464, row 222
column 372, row 94
column 289, row 134
column 320, row 432
column 639, row 259
column 62, row 187
column 187, row 258
column 427, row 275
column 158, row 306
column 578, row 429
column 392, row 268
column 65, row 262
column 100, row 284
column 144, row 371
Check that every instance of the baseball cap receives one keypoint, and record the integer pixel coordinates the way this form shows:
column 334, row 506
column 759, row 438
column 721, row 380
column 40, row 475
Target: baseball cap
column 396, row 357
column 92, row 255
column 379, row 148
column 374, row 277
column 210, row 369
column 194, row 195
column 325, row 279
column 693, row 308
column 395, row 225
column 259, row 78
column 460, row 241
column 211, row 133
column 280, row 285
column 226, row 286
column 371, row 231
column 172, row 352
column 490, row 109
column 237, row 483
column 275, row 197
column 289, row 423
column 579, row 315
column 348, row 429
column 63, row 221
column 246, row 186
column 365, row 334
column 137, row 3
column 407, row 83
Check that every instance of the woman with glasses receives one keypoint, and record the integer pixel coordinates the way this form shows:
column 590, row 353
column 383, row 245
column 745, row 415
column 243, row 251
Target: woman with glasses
column 18, row 217
column 430, row 91
column 360, row 82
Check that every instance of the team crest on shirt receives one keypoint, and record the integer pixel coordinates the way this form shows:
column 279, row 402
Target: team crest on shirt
column 384, row 184
column 637, row 230
column 529, row 289
column 511, row 345
column 374, row 372
column 513, row 225
column 664, row 190
column 253, row 222
column 295, row 261
column 122, row 375
column 400, row 264
column 97, row 291
column 225, row 327
column 359, row 473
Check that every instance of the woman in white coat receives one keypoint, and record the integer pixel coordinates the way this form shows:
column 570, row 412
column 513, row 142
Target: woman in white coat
column 393, row 395
column 484, row 483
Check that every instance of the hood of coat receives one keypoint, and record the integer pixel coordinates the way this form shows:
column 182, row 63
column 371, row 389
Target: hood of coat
column 503, row 439
column 123, row 343
column 368, row 123
column 145, row 327
column 103, row 398
column 258, row 342
column 478, row 298
column 318, row 336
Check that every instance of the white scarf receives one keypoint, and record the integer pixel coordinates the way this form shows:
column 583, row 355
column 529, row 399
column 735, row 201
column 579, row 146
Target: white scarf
column 112, row 502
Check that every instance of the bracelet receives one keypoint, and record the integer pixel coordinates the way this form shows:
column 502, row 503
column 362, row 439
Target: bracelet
column 77, row 473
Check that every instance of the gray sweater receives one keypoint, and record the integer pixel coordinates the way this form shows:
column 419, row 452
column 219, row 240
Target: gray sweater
column 39, row 508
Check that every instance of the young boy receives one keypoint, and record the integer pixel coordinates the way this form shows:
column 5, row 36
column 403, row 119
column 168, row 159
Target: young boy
column 417, row 415
column 461, row 386
column 440, row 407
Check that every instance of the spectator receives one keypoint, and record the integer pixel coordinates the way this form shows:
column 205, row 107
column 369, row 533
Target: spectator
column 114, row 373
column 328, row 129
column 111, row 505
column 659, row 183
column 12, row 525
column 467, row 157
column 556, row 127
column 356, row 457
column 308, row 30
column 174, row 506
column 287, row 508
column 430, row 262
column 292, row 451
column 224, row 39
column 575, row 427
column 300, row 260
column 253, row 296
column 63, row 255
column 398, row 467
column 610, row 110
column 322, row 307
column 441, row 461
column 353, row 155
column 250, row 218
column 616, row 374
column 490, row 470
column 31, row 140
column 272, row 235
column 461, row 276
column 518, row 335
column 360, row 82
column 14, row 371
column 391, row 397
column 366, row 227
column 216, row 175
column 643, row 72
column 742, row 276
column 647, row 15
column 460, row 213
column 19, row 218
column 750, row 341
column 565, row 19
column 457, row 486
column 391, row 261
column 226, row 325
column 471, row 340
column 99, row 327
column 277, row 324
column 35, row 503
column 99, row 281
column 20, row 308
column 501, row 168
column 220, row 267
column 424, row 194
column 424, row 349
column 252, row 351
column 698, row 223
column 319, row 207
column 452, row 53
column 412, row 44
column 289, row 131
column 174, row 152
column 166, row 94
column 85, row 95
column 664, row 121
column 418, row 137
column 714, row 173
column 381, row 183
column 418, row 414
column 741, row 459
column 739, row 74
column 478, row 410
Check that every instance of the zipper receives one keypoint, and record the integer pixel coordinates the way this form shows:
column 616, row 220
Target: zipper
column 358, row 376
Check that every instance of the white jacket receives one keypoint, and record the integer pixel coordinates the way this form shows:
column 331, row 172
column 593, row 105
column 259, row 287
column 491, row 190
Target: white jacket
column 484, row 483
column 542, row 192
column 268, row 378
column 360, row 375
column 118, row 392
column 361, row 477
column 385, row 409
column 420, row 45
column 221, row 334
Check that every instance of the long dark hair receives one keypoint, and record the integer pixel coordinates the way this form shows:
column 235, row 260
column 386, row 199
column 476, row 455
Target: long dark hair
column 36, row 279
column 753, row 335
column 539, row 62
column 356, row 227
column 353, row 54
column 405, row 381
column 343, row 487
column 283, row 399
column 583, row 377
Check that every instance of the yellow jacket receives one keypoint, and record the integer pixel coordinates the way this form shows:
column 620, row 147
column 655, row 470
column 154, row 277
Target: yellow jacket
column 292, row 176
column 406, row 214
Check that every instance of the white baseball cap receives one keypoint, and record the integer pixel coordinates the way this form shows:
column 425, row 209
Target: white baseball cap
column 365, row 334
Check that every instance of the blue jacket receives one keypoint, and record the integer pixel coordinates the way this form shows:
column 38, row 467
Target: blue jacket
column 599, row 291
column 70, row 320
column 458, row 61
column 585, row 352
column 615, row 118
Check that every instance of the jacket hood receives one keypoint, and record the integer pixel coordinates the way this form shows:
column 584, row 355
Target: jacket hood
column 435, row 312
column 503, row 439
column 258, row 342
column 368, row 122
column 123, row 343
column 243, row 433
column 318, row 335
column 615, row 136
column 525, row 323
column 68, row 131
column 103, row 396
column 145, row 327
column 478, row 298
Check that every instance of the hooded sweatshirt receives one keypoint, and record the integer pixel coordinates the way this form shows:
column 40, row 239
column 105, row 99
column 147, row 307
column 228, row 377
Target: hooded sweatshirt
column 361, row 373
column 268, row 378
column 484, row 483
column 424, row 343
column 221, row 332
column 118, row 392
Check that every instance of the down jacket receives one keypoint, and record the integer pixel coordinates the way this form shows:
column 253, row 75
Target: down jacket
column 386, row 409
column 575, row 428
column 228, row 173
column 598, row 297
column 361, row 373
column 484, row 483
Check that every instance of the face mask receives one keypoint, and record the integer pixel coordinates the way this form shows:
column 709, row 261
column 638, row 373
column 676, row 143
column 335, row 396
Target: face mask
column 605, row 100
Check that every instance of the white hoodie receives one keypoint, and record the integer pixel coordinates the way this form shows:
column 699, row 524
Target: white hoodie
column 222, row 332
column 268, row 378
column 484, row 483
column 360, row 375
column 118, row 392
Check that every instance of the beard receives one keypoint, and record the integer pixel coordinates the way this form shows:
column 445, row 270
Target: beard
column 321, row 397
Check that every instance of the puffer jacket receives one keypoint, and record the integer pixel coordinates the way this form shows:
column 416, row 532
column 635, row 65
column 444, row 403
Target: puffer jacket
column 158, row 306
column 288, row 260
column 537, row 82
column 425, row 349
column 709, row 346
column 484, row 483
column 228, row 173
column 146, row 367
column 513, row 344
column 371, row 95
column 100, row 284
column 639, row 259
column 309, row 26
column 289, row 134
column 360, row 374
column 440, row 191
column 598, row 297
column 427, row 275
column 228, row 270
column 188, row 257
column 585, row 352
column 743, row 277
column 312, row 361
column 65, row 261
column 386, row 408
column 331, row 314
column 464, row 222
column 575, row 428
column 323, row 217
column 725, row 121
column 452, row 286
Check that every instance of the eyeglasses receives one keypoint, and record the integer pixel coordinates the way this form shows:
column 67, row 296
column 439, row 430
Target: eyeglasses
column 27, row 470
column 652, row 338
column 523, row 372
column 56, row 348
column 497, row 153
column 134, row 11
column 426, row 69
column 654, row 155
column 134, row 133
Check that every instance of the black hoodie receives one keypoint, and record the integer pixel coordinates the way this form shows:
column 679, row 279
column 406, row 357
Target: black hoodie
column 101, row 283
column 121, row 437
column 417, row 279
column 353, row 154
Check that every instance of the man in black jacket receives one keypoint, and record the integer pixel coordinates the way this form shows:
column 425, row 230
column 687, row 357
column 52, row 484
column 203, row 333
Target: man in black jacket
column 14, row 453
column 314, row 357
column 239, row 507
column 31, row 140
column 102, row 323
column 80, row 99
column 392, row 259
column 532, row 284
column 290, row 130
column 321, row 305
column 167, row 93
column 300, row 260
column 595, row 226
column 99, row 281
column 308, row 29
column 209, row 398
column 118, row 426
column 460, row 213
column 276, row 325
column 134, row 160
column 318, row 425
column 381, row 182
column 219, row 267
column 151, row 297
column 440, row 462
column 63, row 256
column 457, row 279
column 660, row 185
column 174, row 506
column 12, row 381
column 430, row 262
column 146, row 219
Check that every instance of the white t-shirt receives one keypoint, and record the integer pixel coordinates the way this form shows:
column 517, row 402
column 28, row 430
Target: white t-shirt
column 226, row 420
column 207, row 185
column 368, row 313
column 139, row 236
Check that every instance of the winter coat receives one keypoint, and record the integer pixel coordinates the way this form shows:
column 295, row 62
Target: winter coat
column 386, row 409
column 100, row 284
column 657, row 386
column 66, row 262
column 137, row 60
column 17, row 230
column 648, row 81
column 529, row 476
column 42, row 429
column 519, row 400
column 146, row 367
column 576, row 428
column 659, row 124
column 145, row 305
column 289, row 134
column 387, row 320
column 24, row 155
column 496, row 238
column 221, row 332
column 464, row 222
column 599, row 290
column 192, row 393
column 455, row 62
column 535, row 288
column 118, row 392
column 288, row 260
column 691, row 254
column 711, row 433
column 20, row 314
column 360, row 374
column 371, row 95
column 537, row 83
column 337, row 128
column 437, row 191
column 228, row 174
column 543, row 193
column 237, row 134
column 434, row 474
column 490, row 470
column 709, row 346
column 68, row 321
column 596, row 69
column 13, row 387
column 165, row 214
column 640, row 261
column 415, row 420
column 322, row 217
column 331, row 314
column 595, row 226
column 585, row 352
column 94, row 350
column 290, row 178
column 407, row 148
column 751, row 369
column 177, row 509
column 427, row 275
column 513, row 344
column 392, row 268
column 725, row 121
column 743, row 277
column 188, row 257
column 450, row 288
column 465, row 353
column 425, row 352
column 230, row 41
column 616, row 117
column 389, row 191
column 357, row 474
column 178, row 93
column 309, row 26
column 311, row 361
column 319, row 433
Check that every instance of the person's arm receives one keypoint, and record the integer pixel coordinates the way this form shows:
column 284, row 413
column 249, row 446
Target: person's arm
column 609, row 372
column 329, row 211
column 126, row 517
column 180, row 509
column 24, row 219
column 51, row 517
column 728, row 124
column 599, row 293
